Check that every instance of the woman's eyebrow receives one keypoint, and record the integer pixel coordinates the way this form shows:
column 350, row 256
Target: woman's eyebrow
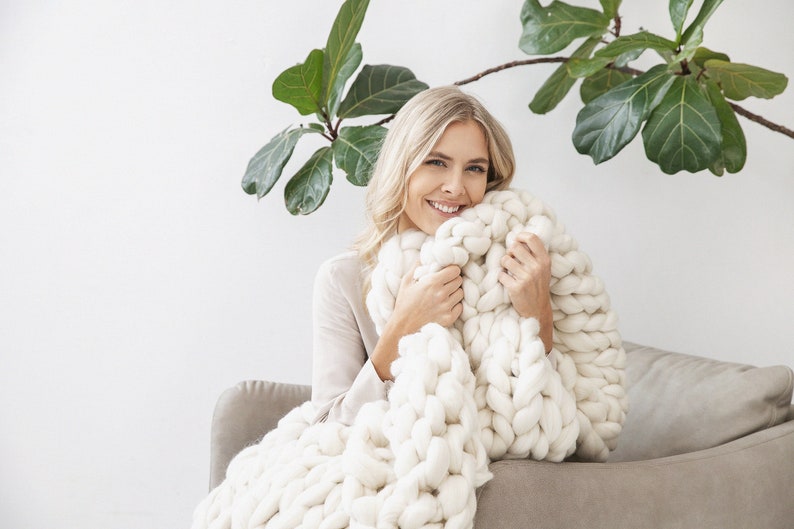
column 441, row 155
column 437, row 154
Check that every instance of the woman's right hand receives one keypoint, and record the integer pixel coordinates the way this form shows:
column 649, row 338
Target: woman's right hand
column 434, row 298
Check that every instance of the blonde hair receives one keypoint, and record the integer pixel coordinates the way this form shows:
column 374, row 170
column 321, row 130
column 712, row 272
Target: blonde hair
column 416, row 128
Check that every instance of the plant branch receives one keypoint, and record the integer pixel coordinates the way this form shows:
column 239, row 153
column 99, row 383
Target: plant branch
column 512, row 64
column 385, row 120
column 761, row 120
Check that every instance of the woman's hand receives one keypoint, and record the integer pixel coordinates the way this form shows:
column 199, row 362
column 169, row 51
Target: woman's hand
column 526, row 276
column 435, row 298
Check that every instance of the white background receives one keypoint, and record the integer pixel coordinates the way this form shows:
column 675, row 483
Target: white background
column 137, row 280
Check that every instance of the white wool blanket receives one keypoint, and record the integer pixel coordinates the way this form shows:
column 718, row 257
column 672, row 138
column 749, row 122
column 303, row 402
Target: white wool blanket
column 463, row 396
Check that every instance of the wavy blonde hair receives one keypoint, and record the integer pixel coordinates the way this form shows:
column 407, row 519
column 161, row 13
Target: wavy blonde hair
column 416, row 128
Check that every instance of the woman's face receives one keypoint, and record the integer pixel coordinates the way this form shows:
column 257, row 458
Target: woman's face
column 451, row 178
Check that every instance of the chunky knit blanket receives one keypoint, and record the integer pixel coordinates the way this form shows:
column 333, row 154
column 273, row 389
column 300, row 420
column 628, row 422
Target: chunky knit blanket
column 463, row 396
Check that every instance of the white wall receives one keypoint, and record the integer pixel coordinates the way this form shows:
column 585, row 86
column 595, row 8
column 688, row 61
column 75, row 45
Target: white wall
column 137, row 280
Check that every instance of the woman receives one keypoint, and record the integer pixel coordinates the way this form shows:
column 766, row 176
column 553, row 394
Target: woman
column 442, row 153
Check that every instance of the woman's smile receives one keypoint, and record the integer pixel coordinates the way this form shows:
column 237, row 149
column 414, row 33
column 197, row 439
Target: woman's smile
column 446, row 209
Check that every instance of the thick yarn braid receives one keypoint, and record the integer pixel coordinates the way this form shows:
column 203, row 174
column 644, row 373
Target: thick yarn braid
column 463, row 396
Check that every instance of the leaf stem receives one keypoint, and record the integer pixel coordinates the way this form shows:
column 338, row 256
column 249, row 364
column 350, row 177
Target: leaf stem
column 616, row 31
column 332, row 132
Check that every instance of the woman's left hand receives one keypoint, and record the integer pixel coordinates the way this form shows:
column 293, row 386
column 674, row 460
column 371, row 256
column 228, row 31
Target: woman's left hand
column 526, row 276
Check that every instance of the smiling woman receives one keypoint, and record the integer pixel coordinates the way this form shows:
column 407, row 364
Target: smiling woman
column 442, row 153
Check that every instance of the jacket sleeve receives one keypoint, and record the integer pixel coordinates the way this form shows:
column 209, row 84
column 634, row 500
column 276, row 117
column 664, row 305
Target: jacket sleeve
column 343, row 378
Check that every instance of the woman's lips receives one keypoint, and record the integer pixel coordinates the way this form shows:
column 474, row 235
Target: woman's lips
column 445, row 209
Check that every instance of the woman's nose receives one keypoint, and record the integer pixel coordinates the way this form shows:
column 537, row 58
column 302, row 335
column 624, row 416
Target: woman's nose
column 453, row 184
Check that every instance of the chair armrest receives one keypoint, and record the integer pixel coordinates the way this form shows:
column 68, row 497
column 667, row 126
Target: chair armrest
column 243, row 414
column 745, row 483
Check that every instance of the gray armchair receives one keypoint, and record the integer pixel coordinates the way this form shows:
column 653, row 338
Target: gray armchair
column 706, row 444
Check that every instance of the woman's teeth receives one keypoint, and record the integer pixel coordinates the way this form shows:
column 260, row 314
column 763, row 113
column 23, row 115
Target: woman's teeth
column 443, row 208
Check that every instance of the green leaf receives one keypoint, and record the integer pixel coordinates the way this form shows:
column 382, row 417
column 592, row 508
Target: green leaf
column 693, row 36
column 380, row 89
column 733, row 146
column 356, row 150
column 350, row 65
column 637, row 42
column 625, row 58
column 609, row 122
column 601, row 82
column 683, row 131
column 551, row 29
column 266, row 166
column 578, row 68
column 678, row 11
column 610, row 7
column 588, row 67
column 703, row 54
column 740, row 81
column 695, row 30
column 559, row 83
column 306, row 191
column 301, row 86
column 340, row 41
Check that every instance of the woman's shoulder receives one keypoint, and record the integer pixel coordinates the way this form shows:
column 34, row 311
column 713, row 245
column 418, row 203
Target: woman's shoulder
column 345, row 267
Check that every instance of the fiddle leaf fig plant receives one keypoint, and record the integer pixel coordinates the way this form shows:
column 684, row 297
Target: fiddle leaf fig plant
column 684, row 106
column 680, row 105
column 316, row 87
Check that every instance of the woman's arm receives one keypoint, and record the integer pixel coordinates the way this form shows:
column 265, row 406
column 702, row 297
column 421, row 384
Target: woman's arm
column 343, row 380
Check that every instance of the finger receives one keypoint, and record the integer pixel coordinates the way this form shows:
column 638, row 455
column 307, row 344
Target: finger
column 533, row 242
column 448, row 273
column 453, row 285
column 522, row 253
column 515, row 268
column 456, row 296
column 409, row 276
column 507, row 280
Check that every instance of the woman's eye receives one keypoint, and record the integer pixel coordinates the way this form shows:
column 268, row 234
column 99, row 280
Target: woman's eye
column 438, row 163
column 477, row 169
